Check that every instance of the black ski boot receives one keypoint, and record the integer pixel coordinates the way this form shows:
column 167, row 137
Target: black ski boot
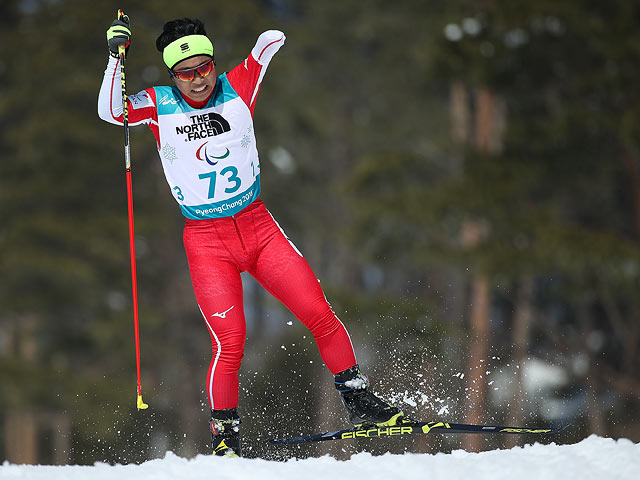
column 363, row 407
column 225, row 432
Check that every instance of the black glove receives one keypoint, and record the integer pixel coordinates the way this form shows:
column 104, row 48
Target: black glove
column 118, row 34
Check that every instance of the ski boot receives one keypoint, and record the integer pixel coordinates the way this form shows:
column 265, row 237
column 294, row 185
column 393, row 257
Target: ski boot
column 225, row 432
column 364, row 408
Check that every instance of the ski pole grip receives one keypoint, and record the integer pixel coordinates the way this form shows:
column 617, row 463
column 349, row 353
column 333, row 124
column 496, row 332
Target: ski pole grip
column 122, row 49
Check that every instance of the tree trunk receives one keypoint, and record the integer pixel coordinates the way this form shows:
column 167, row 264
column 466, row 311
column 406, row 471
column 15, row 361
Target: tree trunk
column 489, row 121
column 595, row 417
column 630, row 163
column 460, row 114
column 478, row 353
column 21, row 437
column 61, row 424
column 522, row 320
column 488, row 127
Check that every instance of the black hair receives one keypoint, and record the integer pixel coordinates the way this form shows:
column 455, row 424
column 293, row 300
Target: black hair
column 178, row 28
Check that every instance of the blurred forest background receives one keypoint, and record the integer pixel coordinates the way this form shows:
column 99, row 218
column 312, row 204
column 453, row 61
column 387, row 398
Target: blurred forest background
column 463, row 176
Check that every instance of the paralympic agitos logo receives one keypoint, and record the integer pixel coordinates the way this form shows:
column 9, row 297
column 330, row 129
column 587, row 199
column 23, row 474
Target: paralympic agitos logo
column 204, row 156
column 203, row 126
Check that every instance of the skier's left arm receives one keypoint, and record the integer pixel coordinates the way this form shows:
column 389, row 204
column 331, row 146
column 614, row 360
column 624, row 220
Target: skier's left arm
column 247, row 77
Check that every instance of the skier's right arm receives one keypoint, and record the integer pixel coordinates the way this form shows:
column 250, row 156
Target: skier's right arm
column 141, row 107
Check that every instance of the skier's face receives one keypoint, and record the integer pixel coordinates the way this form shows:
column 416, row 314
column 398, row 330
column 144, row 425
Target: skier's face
column 196, row 83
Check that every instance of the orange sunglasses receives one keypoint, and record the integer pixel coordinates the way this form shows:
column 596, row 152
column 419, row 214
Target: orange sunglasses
column 189, row 74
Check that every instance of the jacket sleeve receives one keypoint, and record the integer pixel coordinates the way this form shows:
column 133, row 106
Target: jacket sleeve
column 247, row 77
column 141, row 106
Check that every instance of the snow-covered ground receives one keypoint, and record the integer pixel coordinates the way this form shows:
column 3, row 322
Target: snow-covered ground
column 592, row 458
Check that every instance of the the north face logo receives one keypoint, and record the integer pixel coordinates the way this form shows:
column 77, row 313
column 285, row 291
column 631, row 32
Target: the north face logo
column 204, row 126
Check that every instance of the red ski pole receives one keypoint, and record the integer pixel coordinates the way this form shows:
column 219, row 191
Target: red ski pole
column 132, row 246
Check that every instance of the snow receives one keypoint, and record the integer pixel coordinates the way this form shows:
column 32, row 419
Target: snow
column 592, row 458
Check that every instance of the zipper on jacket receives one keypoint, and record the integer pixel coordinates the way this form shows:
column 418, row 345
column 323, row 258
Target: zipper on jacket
column 244, row 248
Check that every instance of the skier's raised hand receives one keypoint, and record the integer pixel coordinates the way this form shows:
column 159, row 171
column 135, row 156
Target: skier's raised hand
column 119, row 33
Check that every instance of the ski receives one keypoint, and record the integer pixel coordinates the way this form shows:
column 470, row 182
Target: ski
column 413, row 428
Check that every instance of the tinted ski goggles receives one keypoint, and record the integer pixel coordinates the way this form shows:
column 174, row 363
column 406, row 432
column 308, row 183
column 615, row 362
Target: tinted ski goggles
column 188, row 74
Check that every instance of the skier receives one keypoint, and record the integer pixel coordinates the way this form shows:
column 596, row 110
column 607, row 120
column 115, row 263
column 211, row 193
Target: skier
column 203, row 126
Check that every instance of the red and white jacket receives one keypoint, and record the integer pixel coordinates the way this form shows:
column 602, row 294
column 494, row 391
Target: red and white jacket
column 208, row 152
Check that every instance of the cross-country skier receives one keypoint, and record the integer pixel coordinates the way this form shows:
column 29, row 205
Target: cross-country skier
column 203, row 126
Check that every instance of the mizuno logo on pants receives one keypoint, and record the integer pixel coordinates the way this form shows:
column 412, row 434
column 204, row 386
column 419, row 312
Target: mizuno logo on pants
column 223, row 314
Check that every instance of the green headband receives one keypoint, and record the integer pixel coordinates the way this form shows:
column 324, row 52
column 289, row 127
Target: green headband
column 186, row 47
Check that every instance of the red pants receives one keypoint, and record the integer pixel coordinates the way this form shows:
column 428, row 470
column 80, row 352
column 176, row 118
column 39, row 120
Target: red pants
column 217, row 251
